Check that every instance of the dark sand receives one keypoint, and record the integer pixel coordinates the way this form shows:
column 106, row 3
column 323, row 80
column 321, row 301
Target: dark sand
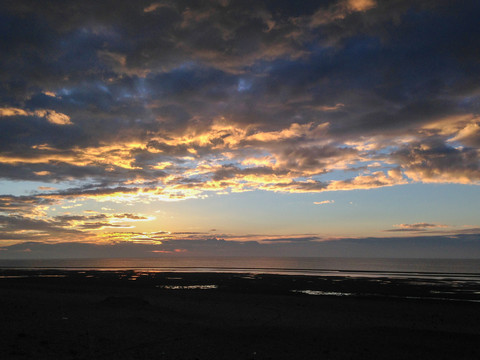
column 109, row 315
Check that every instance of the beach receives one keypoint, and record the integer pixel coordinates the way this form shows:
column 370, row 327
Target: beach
column 60, row 314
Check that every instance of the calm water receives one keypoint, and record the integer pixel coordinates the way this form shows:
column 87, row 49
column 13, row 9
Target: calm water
column 364, row 267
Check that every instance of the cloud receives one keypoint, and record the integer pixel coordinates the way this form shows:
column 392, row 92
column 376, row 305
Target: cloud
column 324, row 202
column 169, row 112
column 177, row 100
column 370, row 181
column 415, row 227
column 469, row 135
column 23, row 204
column 18, row 227
column 154, row 7
column 360, row 5
column 12, row 112
column 339, row 11
column 54, row 117
column 436, row 161
column 25, row 225
column 289, row 240
column 461, row 245
column 51, row 115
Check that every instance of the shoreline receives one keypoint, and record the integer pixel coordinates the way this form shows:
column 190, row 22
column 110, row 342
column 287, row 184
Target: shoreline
column 445, row 288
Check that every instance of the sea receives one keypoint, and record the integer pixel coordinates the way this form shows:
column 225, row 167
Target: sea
column 466, row 269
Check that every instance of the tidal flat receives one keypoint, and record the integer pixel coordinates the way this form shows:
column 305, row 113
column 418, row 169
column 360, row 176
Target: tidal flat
column 60, row 314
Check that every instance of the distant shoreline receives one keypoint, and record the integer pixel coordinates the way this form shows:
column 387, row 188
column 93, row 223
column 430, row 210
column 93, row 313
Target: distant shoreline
column 358, row 267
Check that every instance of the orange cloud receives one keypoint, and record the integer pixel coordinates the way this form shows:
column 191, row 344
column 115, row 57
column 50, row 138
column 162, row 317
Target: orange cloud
column 340, row 11
column 51, row 115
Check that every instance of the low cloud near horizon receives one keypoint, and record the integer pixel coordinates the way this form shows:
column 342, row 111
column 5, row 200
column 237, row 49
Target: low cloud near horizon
column 458, row 246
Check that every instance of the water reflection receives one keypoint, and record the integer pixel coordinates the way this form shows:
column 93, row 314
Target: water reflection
column 188, row 287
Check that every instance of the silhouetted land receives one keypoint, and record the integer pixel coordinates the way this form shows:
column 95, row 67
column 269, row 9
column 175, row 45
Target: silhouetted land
column 53, row 314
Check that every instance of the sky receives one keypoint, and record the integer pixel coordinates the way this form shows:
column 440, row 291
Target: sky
column 239, row 128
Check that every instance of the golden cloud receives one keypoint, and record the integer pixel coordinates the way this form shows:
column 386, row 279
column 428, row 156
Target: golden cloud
column 51, row 115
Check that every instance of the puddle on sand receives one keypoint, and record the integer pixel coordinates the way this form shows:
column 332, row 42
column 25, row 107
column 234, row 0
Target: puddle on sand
column 188, row 287
column 320, row 293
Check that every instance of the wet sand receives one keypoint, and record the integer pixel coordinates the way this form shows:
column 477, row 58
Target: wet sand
column 125, row 315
